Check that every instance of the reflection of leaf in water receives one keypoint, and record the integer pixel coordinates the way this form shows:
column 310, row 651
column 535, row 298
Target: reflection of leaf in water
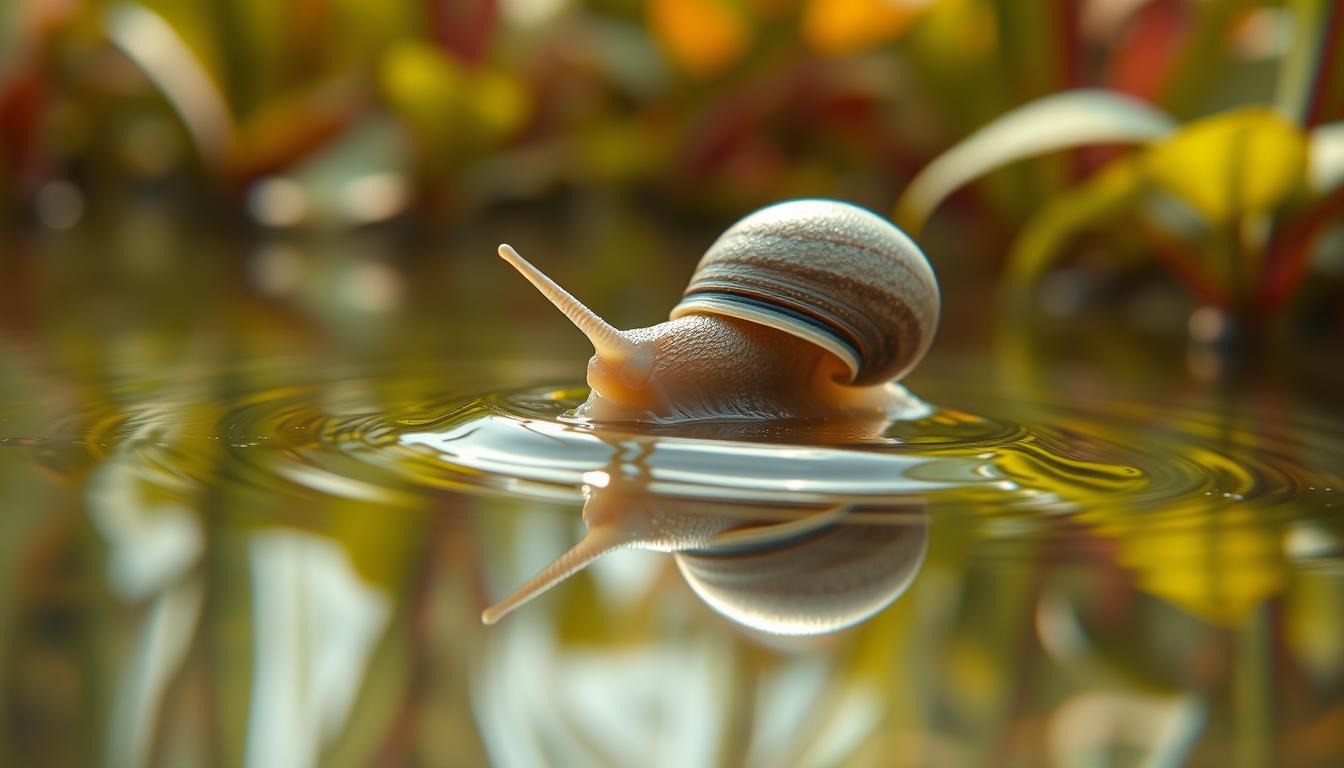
column 1315, row 625
column 1216, row 563
column 315, row 626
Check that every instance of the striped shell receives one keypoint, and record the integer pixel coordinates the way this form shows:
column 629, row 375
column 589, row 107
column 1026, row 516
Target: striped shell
column 828, row 272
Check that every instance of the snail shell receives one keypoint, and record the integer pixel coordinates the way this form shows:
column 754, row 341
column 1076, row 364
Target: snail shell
column 828, row 272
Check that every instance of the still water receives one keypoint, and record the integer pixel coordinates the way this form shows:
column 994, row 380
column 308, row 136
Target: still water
column 258, row 501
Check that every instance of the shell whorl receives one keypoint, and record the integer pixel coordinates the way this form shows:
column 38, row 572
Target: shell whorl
column 829, row 272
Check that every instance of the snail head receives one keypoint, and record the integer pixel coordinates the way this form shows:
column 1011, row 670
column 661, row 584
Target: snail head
column 622, row 364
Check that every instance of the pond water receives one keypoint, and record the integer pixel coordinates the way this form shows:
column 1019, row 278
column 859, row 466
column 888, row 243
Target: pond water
column 258, row 500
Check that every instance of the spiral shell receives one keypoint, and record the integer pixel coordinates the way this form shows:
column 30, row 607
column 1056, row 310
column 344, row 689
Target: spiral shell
column 828, row 272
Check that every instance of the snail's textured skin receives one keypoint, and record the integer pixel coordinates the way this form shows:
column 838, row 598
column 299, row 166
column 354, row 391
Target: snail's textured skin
column 708, row 367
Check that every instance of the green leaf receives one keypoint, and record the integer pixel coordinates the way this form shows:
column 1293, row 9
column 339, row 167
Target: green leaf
column 425, row 87
column 1061, row 121
column 11, row 35
column 444, row 102
column 1303, row 67
column 1108, row 193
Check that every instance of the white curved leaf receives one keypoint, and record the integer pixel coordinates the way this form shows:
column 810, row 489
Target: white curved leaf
column 1325, row 164
column 166, row 59
column 1061, row 121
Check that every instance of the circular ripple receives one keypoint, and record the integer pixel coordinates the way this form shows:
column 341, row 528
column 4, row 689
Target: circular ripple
column 1119, row 457
column 1131, row 457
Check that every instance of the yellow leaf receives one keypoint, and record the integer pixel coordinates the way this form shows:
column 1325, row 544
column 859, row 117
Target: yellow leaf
column 616, row 150
column 441, row 101
column 500, row 102
column 424, row 86
column 1246, row 161
column 704, row 37
column 846, row 26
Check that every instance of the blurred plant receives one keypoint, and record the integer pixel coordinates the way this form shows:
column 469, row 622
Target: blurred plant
column 236, row 148
column 497, row 100
column 713, row 105
column 706, row 37
column 1232, row 203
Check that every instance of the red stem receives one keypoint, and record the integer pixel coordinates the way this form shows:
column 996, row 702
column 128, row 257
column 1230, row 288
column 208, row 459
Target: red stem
column 1146, row 54
column 464, row 28
column 1171, row 254
column 1290, row 250
column 1328, row 80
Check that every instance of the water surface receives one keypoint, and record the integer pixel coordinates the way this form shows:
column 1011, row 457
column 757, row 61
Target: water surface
column 253, row 522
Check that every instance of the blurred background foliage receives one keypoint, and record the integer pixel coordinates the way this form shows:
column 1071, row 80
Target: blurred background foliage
column 205, row 201
column 1215, row 165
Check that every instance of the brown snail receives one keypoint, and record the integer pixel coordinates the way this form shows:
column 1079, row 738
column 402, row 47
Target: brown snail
column 803, row 309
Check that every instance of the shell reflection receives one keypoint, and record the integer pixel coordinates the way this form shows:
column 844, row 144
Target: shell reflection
column 828, row 575
column 771, row 567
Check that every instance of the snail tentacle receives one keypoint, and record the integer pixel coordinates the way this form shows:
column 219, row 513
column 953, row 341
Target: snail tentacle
column 609, row 342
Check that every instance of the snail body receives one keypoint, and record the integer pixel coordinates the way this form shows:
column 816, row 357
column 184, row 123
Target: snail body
column 803, row 309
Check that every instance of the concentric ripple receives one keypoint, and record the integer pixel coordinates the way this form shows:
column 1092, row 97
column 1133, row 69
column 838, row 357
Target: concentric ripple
column 1007, row 458
column 1124, row 456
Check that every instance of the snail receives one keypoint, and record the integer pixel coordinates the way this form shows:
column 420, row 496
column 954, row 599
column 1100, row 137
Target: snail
column 804, row 309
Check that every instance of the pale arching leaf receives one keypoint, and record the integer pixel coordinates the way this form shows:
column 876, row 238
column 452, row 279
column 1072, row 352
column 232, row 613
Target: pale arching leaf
column 159, row 50
column 1062, row 121
column 1326, row 158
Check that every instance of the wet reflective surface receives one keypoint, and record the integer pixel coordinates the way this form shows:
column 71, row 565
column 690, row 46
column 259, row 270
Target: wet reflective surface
column 256, row 504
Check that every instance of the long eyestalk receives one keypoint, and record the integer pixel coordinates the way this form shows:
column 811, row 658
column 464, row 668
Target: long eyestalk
column 606, row 339
column 599, row 541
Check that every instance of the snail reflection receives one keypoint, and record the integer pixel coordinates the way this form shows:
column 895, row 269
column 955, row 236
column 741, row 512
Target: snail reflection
column 777, row 568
